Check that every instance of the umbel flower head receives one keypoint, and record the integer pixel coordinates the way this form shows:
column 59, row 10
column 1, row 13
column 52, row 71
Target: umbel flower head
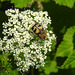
column 28, row 49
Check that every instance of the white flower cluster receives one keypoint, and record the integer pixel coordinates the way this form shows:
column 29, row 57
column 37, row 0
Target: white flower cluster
column 27, row 49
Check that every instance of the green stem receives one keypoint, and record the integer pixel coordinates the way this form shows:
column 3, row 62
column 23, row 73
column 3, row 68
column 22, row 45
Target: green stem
column 22, row 74
column 32, row 71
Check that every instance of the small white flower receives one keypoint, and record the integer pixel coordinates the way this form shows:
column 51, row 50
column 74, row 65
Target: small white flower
column 18, row 39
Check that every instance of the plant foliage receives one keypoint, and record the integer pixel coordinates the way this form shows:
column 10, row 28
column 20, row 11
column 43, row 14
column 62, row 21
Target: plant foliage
column 21, row 3
column 66, row 46
column 70, row 62
column 69, row 3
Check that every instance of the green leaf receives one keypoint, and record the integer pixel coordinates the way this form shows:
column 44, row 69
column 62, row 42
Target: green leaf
column 49, row 67
column 4, row 73
column 12, row 72
column 1, row 56
column 4, row 0
column 53, row 45
column 70, row 62
column 43, row 0
column 21, row 3
column 9, row 71
column 69, row 3
column 5, row 61
column 66, row 46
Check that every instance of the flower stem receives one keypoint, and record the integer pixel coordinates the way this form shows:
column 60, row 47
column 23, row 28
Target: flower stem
column 32, row 71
